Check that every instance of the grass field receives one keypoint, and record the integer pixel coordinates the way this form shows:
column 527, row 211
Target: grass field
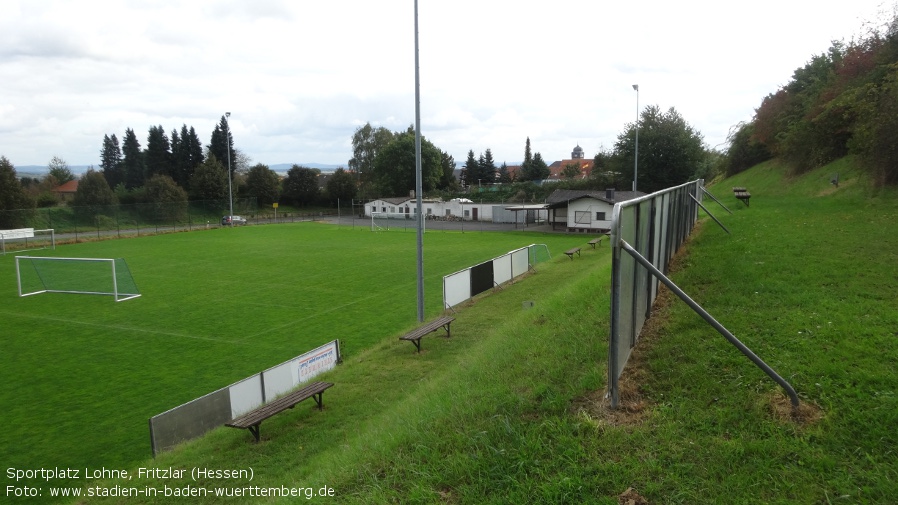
column 82, row 374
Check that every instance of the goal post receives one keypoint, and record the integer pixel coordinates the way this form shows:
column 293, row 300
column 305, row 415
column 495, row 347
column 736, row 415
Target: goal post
column 384, row 221
column 91, row 276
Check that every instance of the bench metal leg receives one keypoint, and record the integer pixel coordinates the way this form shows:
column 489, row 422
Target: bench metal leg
column 448, row 331
column 417, row 343
column 254, row 429
column 318, row 400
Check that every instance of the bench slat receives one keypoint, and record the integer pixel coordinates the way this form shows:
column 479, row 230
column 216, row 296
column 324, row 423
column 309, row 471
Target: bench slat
column 420, row 332
column 252, row 419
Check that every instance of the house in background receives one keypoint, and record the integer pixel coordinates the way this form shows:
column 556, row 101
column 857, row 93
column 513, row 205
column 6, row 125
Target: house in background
column 66, row 192
column 585, row 211
column 556, row 170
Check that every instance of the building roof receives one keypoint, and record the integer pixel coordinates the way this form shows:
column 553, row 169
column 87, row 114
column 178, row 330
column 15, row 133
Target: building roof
column 69, row 187
column 561, row 197
column 557, row 168
column 399, row 200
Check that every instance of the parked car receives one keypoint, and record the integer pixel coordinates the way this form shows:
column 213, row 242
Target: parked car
column 236, row 220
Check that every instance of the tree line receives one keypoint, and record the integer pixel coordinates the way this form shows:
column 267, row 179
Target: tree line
column 172, row 169
column 842, row 102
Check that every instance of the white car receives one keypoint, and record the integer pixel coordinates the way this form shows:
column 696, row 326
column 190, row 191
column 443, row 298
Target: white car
column 229, row 220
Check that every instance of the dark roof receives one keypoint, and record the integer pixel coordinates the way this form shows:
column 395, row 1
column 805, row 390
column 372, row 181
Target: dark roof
column 561, row 197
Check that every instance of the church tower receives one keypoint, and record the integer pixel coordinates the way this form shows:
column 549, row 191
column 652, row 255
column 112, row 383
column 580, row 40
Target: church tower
column 577, row 154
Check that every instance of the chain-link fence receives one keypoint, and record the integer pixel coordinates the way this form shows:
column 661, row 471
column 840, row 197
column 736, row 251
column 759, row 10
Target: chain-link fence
column 144, row 218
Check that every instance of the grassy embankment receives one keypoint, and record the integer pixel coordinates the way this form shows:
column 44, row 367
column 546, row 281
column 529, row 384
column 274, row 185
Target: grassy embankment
column 509, row 410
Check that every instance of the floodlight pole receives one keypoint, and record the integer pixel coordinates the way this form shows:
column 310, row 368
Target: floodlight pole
column 636, row 155
column 418, row 177
column 228, row 147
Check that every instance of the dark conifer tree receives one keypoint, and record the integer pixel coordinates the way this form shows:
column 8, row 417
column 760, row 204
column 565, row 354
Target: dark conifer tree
column 111, row 161
column 158, row 155
column 133, row 162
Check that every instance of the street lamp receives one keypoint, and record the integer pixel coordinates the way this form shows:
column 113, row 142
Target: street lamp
column 228, row 147
column 636, row 155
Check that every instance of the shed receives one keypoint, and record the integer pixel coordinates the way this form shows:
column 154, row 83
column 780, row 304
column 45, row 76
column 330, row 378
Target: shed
column 585, row 211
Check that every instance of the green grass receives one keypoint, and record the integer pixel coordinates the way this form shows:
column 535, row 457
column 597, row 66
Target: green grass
column 82, row 374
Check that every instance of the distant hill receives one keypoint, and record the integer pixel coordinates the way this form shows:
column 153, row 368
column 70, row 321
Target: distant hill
column 39, row 171
column 284, row 167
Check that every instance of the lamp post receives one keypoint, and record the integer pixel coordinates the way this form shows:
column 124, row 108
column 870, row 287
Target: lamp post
column 228, row 147
column 636, row 155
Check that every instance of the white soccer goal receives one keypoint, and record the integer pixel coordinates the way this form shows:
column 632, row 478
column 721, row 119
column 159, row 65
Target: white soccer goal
column 91, row 276
column 539, row 253
column 384, row 221
column 27, row 239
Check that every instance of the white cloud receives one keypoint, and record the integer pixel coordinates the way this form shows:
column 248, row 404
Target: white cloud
column 300, row 77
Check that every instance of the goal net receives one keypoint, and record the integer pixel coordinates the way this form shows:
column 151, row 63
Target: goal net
column 91, row 276
column 539, row 253
column 384, row 221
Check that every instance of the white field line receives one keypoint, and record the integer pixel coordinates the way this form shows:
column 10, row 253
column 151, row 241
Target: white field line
column 122, row 328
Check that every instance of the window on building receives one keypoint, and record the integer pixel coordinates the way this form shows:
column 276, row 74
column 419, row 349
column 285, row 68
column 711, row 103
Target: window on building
column 600, row 216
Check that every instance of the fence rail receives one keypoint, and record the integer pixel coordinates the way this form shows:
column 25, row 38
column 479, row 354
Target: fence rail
column 645, row 234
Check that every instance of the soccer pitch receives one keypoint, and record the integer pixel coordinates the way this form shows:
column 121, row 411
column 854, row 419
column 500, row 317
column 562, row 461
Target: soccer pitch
column 82, row 374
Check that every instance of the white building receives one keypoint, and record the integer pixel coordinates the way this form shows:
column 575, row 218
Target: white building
column 585, row 211
column 457, row 208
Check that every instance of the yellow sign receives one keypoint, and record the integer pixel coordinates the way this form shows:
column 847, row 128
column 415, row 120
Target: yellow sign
column 275, row 205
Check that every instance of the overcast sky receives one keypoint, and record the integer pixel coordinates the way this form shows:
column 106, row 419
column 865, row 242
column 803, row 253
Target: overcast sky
column 299, row 76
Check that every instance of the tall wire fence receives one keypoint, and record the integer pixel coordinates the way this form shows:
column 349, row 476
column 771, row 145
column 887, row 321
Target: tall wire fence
column 110, row 221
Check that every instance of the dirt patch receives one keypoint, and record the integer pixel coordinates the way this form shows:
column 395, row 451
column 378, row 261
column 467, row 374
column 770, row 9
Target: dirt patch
column 806, row 414
column 631, row 497
column 633, row 406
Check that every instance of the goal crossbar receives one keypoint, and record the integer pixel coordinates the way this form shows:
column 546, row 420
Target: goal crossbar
column 91, row 276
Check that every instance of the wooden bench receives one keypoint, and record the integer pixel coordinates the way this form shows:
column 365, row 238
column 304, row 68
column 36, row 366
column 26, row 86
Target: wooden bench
column 252, row 419
column 417, row 334
column 742, row 194
column 594, row 242
column 570, row 252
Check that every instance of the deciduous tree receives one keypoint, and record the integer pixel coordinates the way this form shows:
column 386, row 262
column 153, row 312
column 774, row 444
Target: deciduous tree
column 367, row 142
column 341, row 186
column 570, row 171
column 263, row 184
column 301, row 185
column 394, row 167
column 12, row 197
column 169, row 200
column 60, row 170
column 94, row 192
column 209, row 181
column 670, row 150
column 447, row 178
